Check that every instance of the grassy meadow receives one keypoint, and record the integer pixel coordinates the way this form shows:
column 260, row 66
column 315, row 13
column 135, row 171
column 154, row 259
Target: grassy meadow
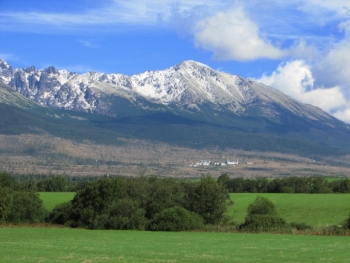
column 313, row 209
column 51, row 199
column 78, row 245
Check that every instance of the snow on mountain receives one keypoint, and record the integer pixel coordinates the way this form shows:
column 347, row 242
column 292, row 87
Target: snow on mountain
column 188, row 86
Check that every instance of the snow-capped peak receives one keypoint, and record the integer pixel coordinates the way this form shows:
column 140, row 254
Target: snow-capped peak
column 188, row 86
column 4, row 64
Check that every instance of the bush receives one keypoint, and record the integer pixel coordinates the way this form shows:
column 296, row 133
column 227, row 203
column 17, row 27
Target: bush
column 210, row 200
column 6, row 199
column 262, row 216
column 176, row 219
column 347, row 223
column 287, row 190
column 263, row 223
column 332, row 230
column 262, row 206
column 122, row 214
column 7, row 181
column 27, row 208
column 60, row 214
column 299, row 226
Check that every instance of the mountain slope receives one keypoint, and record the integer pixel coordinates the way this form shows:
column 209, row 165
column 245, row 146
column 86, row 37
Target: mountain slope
column 189, row 88
column 186, row 105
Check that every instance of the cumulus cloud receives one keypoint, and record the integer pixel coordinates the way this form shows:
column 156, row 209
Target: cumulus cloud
column 343, row 115
column 334, row 67
column 295, row 78
column 232, row 35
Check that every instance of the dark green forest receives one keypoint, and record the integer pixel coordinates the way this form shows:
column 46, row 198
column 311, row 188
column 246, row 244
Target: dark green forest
column 293, row 184
column 290, row 184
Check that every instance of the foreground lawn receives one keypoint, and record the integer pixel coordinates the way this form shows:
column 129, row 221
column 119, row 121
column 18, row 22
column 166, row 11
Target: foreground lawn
column 51, row 199
column 76, row 245
column 313, row 209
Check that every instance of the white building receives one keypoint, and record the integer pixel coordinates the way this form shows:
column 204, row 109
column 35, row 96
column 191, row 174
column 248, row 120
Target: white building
column 232, row 162
column 205, row 162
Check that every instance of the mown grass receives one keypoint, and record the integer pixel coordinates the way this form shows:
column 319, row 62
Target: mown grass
column 77, row 245
column 51, row 199
column 313, row 209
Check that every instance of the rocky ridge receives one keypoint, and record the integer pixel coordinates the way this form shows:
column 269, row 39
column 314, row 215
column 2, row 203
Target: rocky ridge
column 187, row 87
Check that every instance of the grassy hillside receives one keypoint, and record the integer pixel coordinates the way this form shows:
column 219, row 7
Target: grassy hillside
column 76, row 245
column 313, row 209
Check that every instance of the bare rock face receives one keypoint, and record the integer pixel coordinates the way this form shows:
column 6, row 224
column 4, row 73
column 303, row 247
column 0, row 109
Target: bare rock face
column 189, row 87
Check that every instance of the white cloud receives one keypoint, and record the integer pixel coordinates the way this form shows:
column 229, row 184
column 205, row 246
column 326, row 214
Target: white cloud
column 7, row 56
column 76, row 68
column 343, row 115
column 88, row 43
column 342, row 7
column 333, row 68
column 232, row 35
column 295, row 79
column 117, row 13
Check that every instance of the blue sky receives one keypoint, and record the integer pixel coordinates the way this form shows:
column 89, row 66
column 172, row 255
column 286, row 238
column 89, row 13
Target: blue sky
column 299, row 47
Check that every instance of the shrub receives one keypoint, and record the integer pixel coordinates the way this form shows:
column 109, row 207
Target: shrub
column 347, row 223
column 262, row 206
column 263, row 223
column 27, row 208
column 7, row 181
column 6, row 199
column 60, row 214
column 122, row 214
column 210, row 200
column 287, row 190
column 332, row 230
column 299, row 226
column 262, row 216
column 176, row 219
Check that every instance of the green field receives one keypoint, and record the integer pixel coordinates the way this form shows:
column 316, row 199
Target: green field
column 77, row 245
column 313, row 209
column 51, row 199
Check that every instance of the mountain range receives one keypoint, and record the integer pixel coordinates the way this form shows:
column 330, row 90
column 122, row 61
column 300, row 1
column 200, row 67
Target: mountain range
column 188, row 105
column 187, row 88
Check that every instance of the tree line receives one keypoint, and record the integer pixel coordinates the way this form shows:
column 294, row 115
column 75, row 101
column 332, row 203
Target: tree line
column 308, row 185
column 49, row 183
column 293, row 184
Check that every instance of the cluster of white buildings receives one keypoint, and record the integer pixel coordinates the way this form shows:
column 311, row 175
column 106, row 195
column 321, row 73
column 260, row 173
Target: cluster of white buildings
column 208, row 163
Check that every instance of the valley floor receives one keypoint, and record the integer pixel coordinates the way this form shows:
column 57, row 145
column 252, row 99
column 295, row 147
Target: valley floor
column 34, row 154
